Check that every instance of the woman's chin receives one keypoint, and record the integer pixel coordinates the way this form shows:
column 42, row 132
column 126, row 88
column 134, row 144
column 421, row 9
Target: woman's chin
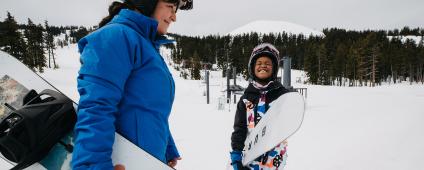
column 162, row 32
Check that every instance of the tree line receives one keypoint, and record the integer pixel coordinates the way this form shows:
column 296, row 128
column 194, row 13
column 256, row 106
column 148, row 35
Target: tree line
column 405, row 31
column 30, row 42
column 340, row 57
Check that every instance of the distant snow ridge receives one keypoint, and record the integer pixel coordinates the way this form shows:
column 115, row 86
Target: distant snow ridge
column 417, row 39
column 267, row 27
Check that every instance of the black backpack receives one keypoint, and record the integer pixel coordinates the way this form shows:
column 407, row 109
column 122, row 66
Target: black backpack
column 28, row 134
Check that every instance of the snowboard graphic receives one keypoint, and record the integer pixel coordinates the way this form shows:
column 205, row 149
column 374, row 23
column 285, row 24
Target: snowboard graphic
column 281, row 121
column 16, row 80
column 12, row 93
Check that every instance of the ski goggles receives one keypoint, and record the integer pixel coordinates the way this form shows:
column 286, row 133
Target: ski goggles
column 266, row 47
column 185, row 5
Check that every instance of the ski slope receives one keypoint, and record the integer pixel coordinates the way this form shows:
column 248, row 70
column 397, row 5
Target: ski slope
column 346, row 128
column 416, row 39
column 266, row 27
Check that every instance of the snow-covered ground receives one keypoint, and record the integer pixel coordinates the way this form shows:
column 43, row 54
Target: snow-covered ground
column 348, row 128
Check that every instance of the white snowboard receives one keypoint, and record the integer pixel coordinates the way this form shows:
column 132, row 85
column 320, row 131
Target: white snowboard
column 124, row 151
column 281, row 121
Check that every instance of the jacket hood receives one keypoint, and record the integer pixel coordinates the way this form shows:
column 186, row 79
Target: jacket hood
column 145, row 26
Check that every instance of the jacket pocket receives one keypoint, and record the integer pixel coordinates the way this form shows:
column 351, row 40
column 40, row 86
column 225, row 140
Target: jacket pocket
column 139, row 130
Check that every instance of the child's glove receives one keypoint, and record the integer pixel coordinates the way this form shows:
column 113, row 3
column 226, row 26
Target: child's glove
column 236, row 160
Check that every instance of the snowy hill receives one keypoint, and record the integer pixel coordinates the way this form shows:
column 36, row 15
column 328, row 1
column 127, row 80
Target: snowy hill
column 416, row 39
column 265, row 26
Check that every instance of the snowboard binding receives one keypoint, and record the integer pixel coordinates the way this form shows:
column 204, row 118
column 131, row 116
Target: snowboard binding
column 28, row 134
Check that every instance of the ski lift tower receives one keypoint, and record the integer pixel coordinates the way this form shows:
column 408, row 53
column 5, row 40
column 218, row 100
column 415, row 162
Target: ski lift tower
column 287, row 79
column 236, row 89
column 287, row 73
column 207, row 82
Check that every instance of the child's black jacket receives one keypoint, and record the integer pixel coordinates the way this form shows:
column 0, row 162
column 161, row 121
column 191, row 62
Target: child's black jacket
column 253, row 95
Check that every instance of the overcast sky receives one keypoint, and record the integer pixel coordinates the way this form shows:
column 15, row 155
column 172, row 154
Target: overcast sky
column 223, row 16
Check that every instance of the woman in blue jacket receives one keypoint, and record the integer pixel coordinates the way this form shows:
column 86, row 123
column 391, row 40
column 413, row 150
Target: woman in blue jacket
column 125, row 85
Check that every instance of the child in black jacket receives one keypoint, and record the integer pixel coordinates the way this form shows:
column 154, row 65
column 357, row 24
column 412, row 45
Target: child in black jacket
column 253, row 104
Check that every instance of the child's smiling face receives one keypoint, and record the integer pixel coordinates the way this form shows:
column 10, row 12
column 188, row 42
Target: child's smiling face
column 263, row 67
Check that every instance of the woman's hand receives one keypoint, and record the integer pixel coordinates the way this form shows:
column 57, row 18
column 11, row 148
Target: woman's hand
column 119, row 167
column 173, row 162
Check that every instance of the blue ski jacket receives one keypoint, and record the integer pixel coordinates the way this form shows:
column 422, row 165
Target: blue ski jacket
column 125, row 86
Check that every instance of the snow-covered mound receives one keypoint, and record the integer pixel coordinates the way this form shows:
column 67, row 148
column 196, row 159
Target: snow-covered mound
column 416, row 39
column 265, row 26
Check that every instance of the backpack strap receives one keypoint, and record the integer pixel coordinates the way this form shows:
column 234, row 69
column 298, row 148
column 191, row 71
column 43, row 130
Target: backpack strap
column 12, row 149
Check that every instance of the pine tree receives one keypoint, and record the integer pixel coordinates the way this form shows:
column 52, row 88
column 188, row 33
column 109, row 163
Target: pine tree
column 207, row 52
column 321, row 54
column 82, row 32
column 47, row 41
column 284, row 44
column 67, row 40
column 375, row 60
column 59, row 43
column 30, row 33
column 221, row 53
column 41, row 59
column 311, row 64
column 340, row 60
column 12, row 38
column 195, row 71
column 248, row 50
column 223, row 61
column 355, row 54
column 394, row 57
column 410, row 58
column 368, row 58
column 384, row 63
column 51, row 45
column 421, row 59
column 236, row 55
column 1, row 35
column 351, row 66
column 173, row 54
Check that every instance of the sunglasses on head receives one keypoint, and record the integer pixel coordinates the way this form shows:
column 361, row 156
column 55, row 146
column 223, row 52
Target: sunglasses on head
column 265, row 45
column 262, row 46
column 185, row 5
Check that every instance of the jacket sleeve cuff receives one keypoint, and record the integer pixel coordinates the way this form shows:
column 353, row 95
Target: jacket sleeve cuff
column 172, row 152
column 98, row 166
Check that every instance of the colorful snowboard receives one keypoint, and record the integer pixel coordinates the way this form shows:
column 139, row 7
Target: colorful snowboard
column 281, row 121
column 16, row 80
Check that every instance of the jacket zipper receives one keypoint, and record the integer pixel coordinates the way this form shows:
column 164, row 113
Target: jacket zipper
column 154, row 46
column 170, row 92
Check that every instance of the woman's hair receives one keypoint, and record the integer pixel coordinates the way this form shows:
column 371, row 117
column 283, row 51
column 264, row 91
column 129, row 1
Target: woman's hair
column 114, row 9
column 171, row 1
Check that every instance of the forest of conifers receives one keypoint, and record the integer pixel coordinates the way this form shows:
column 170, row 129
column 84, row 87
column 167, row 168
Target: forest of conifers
column 30, row 42
column 340, row 57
